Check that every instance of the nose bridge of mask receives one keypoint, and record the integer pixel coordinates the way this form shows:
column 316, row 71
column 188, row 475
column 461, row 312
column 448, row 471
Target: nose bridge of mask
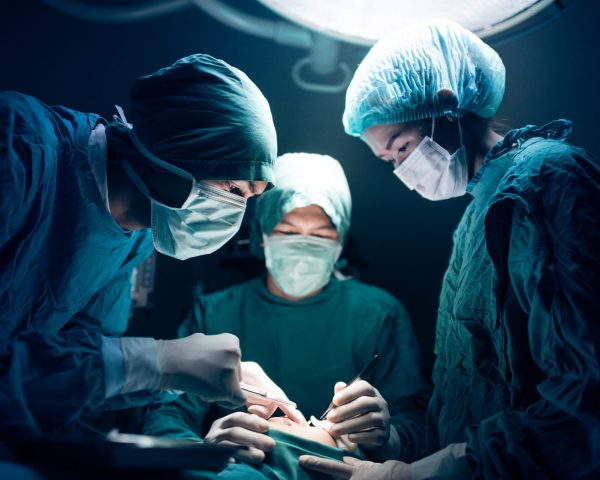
column 221, row 196
column 303, row 243
column 137, row 180
column 308, row 240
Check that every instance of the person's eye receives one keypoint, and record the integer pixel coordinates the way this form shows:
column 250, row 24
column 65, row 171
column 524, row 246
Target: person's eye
column 235, row 189
column 326, row 236
column 401, row 154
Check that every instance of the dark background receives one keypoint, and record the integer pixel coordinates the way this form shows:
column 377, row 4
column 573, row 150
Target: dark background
column 398, row 241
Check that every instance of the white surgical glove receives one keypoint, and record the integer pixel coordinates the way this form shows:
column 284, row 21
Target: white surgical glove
column 244, row 429
column 447, row 464
column 206, row 365
column 361, row 414
column 355, row 469
column 253, row 374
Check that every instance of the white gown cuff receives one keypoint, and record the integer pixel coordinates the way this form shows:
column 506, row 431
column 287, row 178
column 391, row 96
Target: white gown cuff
column 141, row 364
column 114, row 366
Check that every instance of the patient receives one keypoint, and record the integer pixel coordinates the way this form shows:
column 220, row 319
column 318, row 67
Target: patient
column 294, row 440
column 307, row 432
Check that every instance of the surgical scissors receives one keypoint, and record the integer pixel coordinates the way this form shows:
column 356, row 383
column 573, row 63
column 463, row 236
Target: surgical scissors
column 264, row 394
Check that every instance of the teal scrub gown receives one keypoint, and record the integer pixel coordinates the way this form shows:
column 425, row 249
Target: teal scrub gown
column 306, row 347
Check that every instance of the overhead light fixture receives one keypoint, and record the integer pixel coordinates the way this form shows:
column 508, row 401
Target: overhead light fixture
column 320, row 25
column 363, row 22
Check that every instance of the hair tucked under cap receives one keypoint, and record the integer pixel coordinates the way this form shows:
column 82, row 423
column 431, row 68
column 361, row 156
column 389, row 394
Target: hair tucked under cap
column 304, row 179
column 203, row 116
column 426, row 70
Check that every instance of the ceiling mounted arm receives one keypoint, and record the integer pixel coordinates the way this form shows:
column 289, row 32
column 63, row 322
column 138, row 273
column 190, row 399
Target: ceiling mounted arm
column 279, row 31
column 324, row 52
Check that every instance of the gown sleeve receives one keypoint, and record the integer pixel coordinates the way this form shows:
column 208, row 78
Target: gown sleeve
column 45, row 379
column 108, row 312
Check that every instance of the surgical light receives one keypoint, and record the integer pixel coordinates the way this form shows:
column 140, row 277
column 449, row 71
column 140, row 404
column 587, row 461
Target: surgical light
column 363, row 22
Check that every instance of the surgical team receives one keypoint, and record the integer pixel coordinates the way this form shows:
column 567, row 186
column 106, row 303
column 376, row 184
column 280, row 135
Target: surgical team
column 515, row 387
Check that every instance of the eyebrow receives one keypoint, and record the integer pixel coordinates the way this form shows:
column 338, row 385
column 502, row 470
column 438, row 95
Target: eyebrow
column 399, row 132
column 329, row 227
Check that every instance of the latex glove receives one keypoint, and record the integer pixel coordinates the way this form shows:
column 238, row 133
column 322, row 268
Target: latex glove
column 245, row 429
column 253, row 374
column 362, row 413
column 355, row 469
column 447, row 464
column 206, row 365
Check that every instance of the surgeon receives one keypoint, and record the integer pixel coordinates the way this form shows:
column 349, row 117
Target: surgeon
column 309, row 330
column 517, row 374
column 82, row 202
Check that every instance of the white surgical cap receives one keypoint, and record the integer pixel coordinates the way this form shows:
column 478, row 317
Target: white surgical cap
column 399, row 79
column 304, row 179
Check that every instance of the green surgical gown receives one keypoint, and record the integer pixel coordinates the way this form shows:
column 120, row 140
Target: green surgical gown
column 307, row 346
column 518, row 335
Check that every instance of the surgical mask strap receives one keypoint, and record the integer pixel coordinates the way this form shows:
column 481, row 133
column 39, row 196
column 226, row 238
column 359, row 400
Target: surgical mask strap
column 137, row 180
column 133, row 175
column 121, row 119
column 460, row 135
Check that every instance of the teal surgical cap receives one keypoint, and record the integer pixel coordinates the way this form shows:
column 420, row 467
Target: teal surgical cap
column 304, row 179
column 204, row 116
column 430, row 69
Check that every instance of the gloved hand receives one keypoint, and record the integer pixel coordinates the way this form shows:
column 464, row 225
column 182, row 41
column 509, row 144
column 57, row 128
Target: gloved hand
column 447, row 464
column 245, row 429
column 253, row 374
column 355, row 469
column 362, row 413
column 206, row 365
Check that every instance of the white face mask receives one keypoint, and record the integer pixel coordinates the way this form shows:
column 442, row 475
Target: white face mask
column 433, row 172
column 300, row 264
column 207, row 220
